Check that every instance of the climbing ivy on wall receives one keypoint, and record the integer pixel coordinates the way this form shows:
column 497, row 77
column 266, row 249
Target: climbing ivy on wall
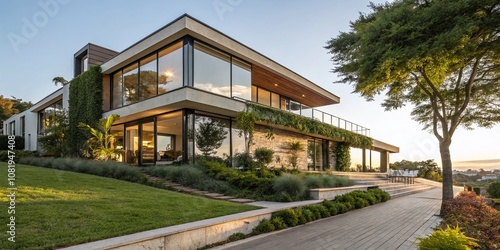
column 343, row 157
column 308, row 125
column 85, row 105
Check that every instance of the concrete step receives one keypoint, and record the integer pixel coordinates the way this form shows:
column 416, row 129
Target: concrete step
column 414, row 191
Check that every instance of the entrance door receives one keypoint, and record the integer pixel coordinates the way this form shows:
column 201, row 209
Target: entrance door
column 132, row 144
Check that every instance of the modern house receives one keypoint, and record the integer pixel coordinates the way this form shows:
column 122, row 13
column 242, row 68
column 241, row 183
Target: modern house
column 187, row 76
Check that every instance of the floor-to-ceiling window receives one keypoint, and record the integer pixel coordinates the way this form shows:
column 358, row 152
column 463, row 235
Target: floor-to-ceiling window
column 148, row 76
column 241, row 79
column 211, row 70
column 169, row 138
column 117, row 90
column 315, row 154
column 132, row 144
column 117, row 132
column 170, row 68
column 212, row 136
column 148, row 143
column 130, row 84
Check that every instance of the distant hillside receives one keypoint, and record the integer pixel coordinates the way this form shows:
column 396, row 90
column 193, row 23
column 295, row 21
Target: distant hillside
column 477, row 164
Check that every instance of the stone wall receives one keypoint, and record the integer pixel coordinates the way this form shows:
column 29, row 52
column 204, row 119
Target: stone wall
column 279, row 143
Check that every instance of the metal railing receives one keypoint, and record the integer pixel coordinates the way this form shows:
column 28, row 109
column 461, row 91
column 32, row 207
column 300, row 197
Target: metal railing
column 324, row 117
column 333, row 120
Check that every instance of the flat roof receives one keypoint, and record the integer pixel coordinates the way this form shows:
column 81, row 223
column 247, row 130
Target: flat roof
column 187, row 25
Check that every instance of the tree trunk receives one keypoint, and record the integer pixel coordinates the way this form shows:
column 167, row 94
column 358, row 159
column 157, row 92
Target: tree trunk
column 444, row 148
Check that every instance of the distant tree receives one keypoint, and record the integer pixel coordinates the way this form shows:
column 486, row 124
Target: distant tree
column 440, row 56
column 5, row 109
column 209, row 136
column 11, row 106
column 53, row 142
column 59, row 80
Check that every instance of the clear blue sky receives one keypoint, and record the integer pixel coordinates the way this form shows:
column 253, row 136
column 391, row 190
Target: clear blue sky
column 292, row 33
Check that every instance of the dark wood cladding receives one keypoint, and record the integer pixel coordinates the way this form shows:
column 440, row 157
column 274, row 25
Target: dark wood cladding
column 266, row 79
column 95, row 54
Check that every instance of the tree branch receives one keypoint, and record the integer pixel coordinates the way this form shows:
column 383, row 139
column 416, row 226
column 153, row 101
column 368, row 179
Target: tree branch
column 443, row 118
column 435, row 109
column 468, row 90
column 457, row 90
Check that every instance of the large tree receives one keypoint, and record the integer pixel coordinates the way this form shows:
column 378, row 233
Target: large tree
column 440, row 56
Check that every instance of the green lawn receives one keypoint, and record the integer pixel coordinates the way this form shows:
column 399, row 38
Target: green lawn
column 58, row 208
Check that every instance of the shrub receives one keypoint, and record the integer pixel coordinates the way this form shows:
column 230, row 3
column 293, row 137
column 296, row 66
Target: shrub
column 18, row 155
column 360, row 203
column 289, row 217
column 300, row 216
column 313, row 181
column 341, row 207
column 475, row 217
column 341, row 181
column 278, row 223
column 449, row 238
column 108, row 169
column 237, row 236
column 308, row 214
column 264, row 156
column 316, row 213
column 323, row 211
column 494, row 189
column 245, row 161
column 290, row 184
column 380, row 195
column 265, row 226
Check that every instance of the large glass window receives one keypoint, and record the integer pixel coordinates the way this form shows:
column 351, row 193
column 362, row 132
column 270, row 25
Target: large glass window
column 275, row 100
column 314, row 154
column 254, row 94
column 169, row 138
column 132, row 144
column 130, row 80
column 170, row 68
column 264, row 97
column 211, row 70
column 212, row 136
column 285, row 104
column 239, row 140
column 148, row 143
column 306, row 111
column 294, row 107
column 241, row 79
column 117, row 131
column 117, row 90
column 148, row 77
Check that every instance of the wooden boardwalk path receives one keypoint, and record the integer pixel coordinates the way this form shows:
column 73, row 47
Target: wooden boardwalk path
column 395, row 224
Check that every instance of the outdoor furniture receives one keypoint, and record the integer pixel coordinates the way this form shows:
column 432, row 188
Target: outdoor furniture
column 402, row 176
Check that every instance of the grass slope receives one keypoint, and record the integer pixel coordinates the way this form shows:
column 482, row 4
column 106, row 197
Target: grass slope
column 58, row 208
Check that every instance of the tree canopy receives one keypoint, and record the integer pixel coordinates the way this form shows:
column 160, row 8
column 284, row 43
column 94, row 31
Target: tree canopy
column 11, row 106
column 440, row 56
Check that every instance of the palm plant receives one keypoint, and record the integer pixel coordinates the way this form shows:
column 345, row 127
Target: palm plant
column 101, row 141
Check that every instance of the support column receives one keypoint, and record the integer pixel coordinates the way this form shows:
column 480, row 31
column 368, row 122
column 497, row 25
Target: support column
column 384, row 161
column 363, row 163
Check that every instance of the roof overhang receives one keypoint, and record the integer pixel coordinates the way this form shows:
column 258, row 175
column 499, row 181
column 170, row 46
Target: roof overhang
column 187, row 25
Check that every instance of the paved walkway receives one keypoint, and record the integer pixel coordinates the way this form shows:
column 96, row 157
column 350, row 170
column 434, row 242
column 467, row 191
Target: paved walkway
column 395, row 224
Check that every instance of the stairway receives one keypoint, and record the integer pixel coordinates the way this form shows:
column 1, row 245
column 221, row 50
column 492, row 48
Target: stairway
column 380, row 179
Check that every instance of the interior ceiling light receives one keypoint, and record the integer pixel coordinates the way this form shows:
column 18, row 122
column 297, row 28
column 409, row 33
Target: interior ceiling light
column 275, row 85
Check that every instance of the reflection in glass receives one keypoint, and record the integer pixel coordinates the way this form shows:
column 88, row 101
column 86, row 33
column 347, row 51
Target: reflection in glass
column 264, row 97
column 130, row 80
column 295, row 107
column 117, row 90
column 238, row 138
column 170, row 68
column 211, row 70
column 254, row 94
column 169, row 138
column 314, row 154
column 148, row 76
column 317, row 115
column 117, row 131
column 212, row 136
column 241, row 79
column 148, row 143
column 132, row 144
column 275, row 100
column 285, row 104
